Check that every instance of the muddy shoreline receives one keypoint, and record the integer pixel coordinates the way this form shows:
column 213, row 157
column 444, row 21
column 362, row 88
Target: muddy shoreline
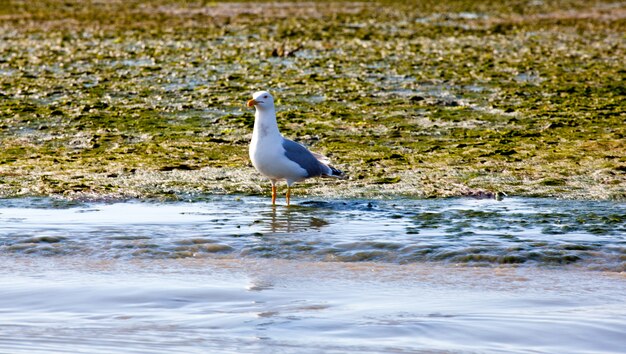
column 464, row 98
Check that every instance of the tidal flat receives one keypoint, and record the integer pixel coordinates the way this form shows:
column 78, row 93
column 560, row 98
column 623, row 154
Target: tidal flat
column 132, row 218
column 125, row 99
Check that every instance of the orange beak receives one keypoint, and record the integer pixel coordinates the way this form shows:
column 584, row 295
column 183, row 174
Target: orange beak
column 251, row 103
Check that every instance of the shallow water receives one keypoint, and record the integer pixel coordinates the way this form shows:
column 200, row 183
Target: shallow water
column 479, row 232
column 236, row 275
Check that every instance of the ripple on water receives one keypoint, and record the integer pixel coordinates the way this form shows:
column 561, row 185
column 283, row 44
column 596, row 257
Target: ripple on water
column 478, row 232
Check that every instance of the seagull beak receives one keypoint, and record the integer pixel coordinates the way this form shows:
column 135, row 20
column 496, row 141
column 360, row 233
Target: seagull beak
column 251, row 103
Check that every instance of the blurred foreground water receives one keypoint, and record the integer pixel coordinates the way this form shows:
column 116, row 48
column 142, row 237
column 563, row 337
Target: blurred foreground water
column 236, row 275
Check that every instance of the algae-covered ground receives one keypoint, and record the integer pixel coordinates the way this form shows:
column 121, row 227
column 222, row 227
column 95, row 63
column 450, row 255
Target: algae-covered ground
column 119, row 99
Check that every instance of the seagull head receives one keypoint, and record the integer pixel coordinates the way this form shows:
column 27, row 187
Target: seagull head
column 261, row 100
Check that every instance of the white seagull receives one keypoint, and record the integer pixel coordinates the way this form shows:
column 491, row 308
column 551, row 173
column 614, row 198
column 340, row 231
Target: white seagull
column 278, row 158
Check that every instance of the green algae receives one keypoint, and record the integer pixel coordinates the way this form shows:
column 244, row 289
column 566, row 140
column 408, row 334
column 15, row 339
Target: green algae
column 425, row 99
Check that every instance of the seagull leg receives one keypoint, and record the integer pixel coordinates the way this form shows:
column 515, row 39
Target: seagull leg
column 288, row 194
column 273, row 194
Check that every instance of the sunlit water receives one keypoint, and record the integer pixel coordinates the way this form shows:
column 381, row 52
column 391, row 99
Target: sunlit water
column 237, row 275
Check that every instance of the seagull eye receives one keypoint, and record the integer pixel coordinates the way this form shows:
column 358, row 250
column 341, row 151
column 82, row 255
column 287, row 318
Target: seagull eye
column 265, row 96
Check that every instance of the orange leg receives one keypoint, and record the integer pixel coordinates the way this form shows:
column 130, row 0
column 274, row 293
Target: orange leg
column 288, row 194
column 273, row 194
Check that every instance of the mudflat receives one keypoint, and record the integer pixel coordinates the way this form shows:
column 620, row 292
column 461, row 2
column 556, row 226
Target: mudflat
column 420, row 98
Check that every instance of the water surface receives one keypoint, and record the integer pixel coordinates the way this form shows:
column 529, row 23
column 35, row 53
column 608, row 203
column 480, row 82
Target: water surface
column 478, row 232
column 236, row 275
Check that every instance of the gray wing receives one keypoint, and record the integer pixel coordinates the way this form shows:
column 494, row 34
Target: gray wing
column 303, row 157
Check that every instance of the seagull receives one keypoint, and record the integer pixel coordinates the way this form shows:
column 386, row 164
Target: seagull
column 278, row 158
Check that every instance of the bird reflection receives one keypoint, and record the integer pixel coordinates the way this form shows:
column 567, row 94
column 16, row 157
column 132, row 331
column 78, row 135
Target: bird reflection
column 260, row 285
column 291, row 219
